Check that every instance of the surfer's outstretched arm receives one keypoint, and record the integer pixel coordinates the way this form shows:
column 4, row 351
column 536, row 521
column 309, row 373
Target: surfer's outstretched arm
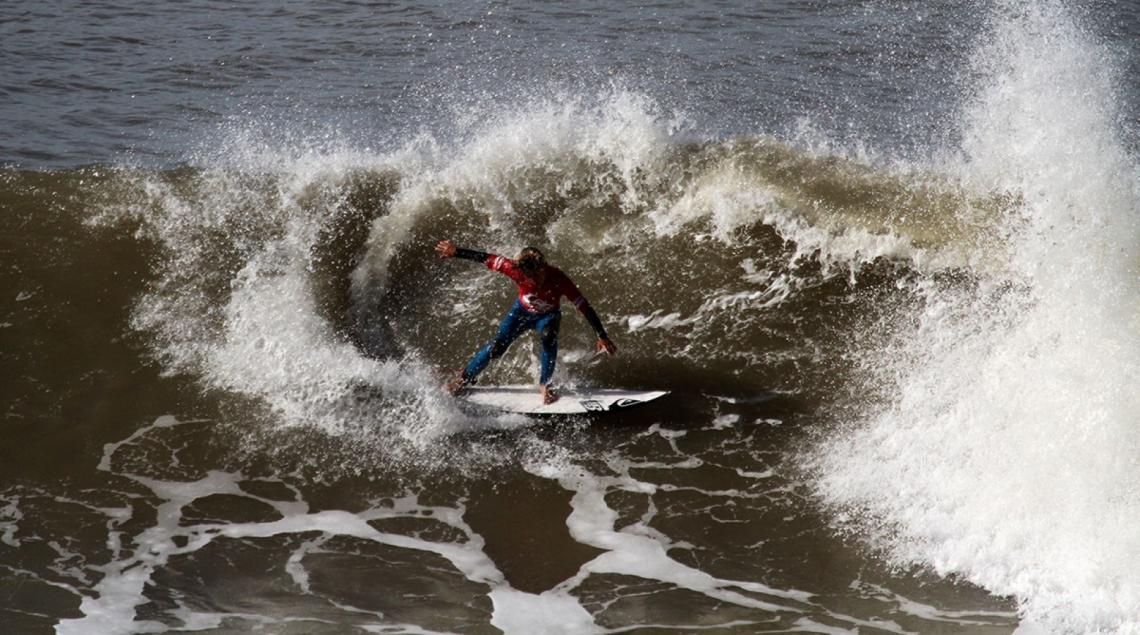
column 605, row 345
column 494, row 262
column 447, row 249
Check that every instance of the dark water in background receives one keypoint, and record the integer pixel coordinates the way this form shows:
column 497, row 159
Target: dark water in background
column 884, row 254
column 149, row 84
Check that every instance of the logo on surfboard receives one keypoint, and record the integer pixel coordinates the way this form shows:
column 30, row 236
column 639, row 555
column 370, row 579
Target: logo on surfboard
column 592, row 405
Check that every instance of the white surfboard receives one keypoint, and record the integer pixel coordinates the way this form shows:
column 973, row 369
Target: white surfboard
column 526, row 400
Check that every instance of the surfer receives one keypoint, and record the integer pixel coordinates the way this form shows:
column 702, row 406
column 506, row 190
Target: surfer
column 541, row 287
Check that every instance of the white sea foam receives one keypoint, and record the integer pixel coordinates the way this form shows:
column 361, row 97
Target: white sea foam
column 548, row 612
column 1008, row 455
column 639, row 550
column 10, row 517
column 112, row 604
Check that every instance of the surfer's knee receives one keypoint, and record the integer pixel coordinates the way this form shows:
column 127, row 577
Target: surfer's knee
column 549, row 334
column 498, row 347
column 550, row 337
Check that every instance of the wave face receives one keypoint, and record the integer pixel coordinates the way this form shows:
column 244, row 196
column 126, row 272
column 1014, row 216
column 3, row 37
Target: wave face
column 1007, row 453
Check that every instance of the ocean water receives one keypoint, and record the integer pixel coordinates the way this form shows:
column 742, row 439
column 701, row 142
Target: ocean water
column 885, row 256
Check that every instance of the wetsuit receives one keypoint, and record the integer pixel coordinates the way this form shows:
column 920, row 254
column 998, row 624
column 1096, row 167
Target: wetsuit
column 537, row 308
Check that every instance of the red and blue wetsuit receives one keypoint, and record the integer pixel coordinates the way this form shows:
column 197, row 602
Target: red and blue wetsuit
column 537, row 308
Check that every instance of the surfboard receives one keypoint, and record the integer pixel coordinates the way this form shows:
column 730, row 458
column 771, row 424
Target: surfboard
column 525, row 399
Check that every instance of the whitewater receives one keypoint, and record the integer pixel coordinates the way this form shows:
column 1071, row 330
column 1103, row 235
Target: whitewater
column 1007, row 455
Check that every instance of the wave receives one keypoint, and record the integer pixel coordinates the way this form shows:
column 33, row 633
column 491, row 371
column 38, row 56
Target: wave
column 297, row 275
column 1004, row 453
column 973, row 317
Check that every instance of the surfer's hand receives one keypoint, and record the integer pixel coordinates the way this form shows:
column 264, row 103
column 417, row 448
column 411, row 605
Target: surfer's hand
column 445, row 249
column 606, row 346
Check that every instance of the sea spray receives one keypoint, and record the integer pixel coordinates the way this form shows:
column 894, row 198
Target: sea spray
column 1007, row 453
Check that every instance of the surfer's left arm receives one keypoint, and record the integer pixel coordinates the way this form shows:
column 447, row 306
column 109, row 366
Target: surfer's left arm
column 494, row 262
column 572, row 293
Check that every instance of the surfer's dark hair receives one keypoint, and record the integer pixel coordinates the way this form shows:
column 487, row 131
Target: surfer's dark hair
column 531, row 260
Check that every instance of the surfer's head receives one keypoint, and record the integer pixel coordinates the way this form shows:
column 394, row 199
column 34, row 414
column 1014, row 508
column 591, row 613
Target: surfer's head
column 531, row 261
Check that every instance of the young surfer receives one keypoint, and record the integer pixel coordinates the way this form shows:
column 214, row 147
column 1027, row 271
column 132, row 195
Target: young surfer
column 541, row 287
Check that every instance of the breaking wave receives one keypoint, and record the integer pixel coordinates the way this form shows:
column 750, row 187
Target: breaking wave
column 1005, row 452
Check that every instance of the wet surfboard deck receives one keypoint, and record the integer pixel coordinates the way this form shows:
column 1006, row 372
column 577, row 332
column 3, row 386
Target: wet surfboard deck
column 526, row 400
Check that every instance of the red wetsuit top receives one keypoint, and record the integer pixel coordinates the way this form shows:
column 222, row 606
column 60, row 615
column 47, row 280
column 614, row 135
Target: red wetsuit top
column 537, row 297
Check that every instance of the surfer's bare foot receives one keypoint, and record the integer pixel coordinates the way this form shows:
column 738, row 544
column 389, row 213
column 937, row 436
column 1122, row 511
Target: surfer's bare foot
column 456, row 386
column 549, row 395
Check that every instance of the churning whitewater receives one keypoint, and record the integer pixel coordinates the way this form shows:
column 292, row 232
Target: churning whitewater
column 884, row 258
column 1007, row 454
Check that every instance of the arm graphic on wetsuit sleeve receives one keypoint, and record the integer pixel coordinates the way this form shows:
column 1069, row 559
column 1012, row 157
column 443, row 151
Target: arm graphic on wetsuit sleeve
column 471, row 254
column 494, row 262
column 447, row 249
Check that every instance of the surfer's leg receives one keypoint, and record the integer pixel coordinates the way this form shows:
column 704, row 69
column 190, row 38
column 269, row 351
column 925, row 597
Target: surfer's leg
column 513, row 324
column 547, row 328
